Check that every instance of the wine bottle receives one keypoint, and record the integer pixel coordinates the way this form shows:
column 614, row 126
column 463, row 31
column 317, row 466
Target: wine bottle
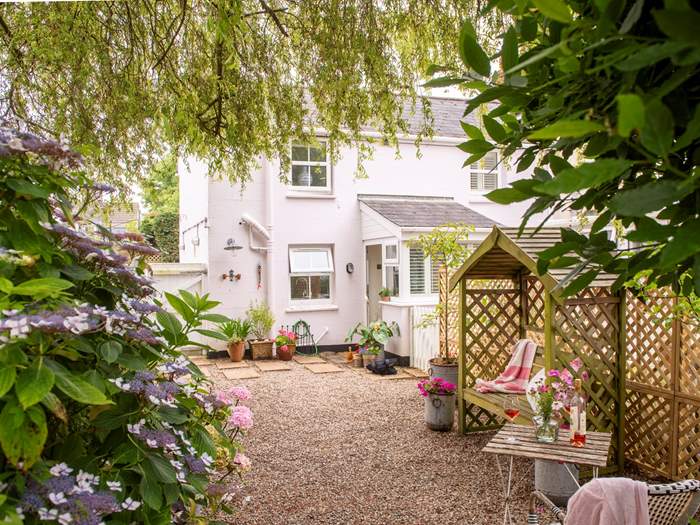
column 578, row 416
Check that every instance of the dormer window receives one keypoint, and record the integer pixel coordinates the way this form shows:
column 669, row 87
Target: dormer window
column 311, row 169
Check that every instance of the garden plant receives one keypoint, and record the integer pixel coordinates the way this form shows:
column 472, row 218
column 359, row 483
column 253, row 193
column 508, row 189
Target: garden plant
column 101, row 417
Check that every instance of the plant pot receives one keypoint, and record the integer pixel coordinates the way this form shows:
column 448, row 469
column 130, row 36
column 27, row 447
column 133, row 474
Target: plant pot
column 439, row 412
column 286, row 352
column 553, row 480
column 384, row 299
column 367, row 359
column 236, row 351
column 357, row 361
column 261, row 348
column 349, row 356
column 447, row 371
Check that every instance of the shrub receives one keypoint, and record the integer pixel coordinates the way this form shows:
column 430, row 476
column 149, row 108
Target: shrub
column 163, row 230
column 261, row 318
column 101, row 418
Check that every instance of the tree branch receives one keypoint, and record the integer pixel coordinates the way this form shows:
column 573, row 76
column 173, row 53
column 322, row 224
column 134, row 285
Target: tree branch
column 183, row 5
column 273, row 15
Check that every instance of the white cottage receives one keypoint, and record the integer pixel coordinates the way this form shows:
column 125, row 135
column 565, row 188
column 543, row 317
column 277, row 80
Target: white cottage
column 320, row 247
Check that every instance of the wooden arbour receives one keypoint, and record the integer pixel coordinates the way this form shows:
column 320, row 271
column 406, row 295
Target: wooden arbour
column 502, row 298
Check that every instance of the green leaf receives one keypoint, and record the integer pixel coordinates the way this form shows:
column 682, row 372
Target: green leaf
column 581, row 282
column 679, row 24
column 77, row 273
column 567, row 129
column 33, row 384
column 211, row 333
column 5, row 285
column 651, row 54
column 163, row 470
column 151, row 493
column 132, row 362
column 202, row 441
column 22, row 434
column 55, row 406
column 169, row 323
column 25, row 187
column 554, row 9
column 494, row 129
column 472, row 131
column 692, row 131
column 445, row 81
column 76, row 387
column 509, row 50
column 507, row 196
column 43, row 287
column 648, row 198
column 471, row 53
column 657, row 133
column 685, row 244
column 180, row 307
column 110, row 350
column 630, row 114
column 632, row 16
column 476, row 146
column 7, row 379
column 587, row 175
column 215, row 318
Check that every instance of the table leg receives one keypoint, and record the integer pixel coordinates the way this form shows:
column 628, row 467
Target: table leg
column 507, row 485
column 595, row 472
column 566, row 466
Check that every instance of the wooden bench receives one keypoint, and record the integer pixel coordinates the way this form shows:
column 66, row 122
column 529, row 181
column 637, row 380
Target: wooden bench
column 493, row 401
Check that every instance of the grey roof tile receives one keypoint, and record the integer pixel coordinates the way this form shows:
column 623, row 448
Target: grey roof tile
column 422, row 212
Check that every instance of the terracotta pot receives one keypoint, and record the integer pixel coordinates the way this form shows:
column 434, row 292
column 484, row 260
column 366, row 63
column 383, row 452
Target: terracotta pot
column 348, row 356
column 384, row 298
column 236, row 351
column 286, row 354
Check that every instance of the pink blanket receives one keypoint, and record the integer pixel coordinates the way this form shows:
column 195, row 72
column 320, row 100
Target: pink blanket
column 609, row 501
column 515, row 377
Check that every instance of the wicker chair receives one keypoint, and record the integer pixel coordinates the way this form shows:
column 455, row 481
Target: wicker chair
column 670, row 504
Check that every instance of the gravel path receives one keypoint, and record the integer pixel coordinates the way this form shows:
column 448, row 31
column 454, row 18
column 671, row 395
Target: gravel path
column 346, row 449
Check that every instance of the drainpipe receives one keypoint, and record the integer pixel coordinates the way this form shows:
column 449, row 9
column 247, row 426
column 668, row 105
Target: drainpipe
column 269, row 216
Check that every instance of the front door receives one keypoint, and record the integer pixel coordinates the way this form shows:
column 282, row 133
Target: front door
column 374, row 281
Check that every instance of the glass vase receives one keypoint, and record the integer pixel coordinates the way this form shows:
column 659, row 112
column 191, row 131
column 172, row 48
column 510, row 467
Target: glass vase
column 546, row 430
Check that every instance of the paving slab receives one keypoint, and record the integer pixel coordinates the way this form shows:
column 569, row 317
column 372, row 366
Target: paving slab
column 208, row 370
column 201, row 360
column 308, row 359
column 223, row 365
column 273, row 366
column 323, row 368
column 241, row 373
column 416, row 372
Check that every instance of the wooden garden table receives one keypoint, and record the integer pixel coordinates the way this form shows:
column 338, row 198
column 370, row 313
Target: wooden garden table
column 519, row 440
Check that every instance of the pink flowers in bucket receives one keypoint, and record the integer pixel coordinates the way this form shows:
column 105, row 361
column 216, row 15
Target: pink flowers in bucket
column 285, row 338
column 437, row 386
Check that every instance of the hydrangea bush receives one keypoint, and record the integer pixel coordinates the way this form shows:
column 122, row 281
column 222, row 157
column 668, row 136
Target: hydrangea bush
column 102, row 420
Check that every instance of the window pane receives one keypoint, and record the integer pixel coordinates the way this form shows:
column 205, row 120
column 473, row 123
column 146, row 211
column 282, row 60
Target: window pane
column 416, row 264
column 390, row 252
column 319, row 260
column 310, row 260
column 320, row 286
column 300, row 287
column 489, row 161
column 392, row 279
column 318, row 176
column 300, row 153
column 318, row 154
column 300, row 176
column 474, row 181
column 491, row 181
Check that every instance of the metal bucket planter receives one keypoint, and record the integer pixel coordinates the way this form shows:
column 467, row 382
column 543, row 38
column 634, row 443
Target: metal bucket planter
column 367, row 359
column 439, row 412
column 447, row 372
column 553, row 480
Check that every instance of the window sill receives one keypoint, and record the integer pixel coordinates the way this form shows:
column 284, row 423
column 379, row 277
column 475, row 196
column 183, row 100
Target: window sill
column 480, row 198
column 311, row 308
column 310, row 195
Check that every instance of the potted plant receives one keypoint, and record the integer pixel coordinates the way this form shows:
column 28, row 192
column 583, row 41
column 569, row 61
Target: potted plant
column 372, row 338
column 384, row 294
column 286, row 343
column 439, row 403
column 235, row 332
column 261, row 320
column 445, row 245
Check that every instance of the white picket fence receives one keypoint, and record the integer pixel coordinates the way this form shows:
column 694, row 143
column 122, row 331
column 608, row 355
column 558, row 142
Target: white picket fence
column 424, row 340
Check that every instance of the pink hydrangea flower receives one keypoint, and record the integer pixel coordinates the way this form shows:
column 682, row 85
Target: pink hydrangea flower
column 242, row 461
column 241, row 417
column 241, row 393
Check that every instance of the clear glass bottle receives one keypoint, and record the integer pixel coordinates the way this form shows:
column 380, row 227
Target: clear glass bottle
column 577, row 416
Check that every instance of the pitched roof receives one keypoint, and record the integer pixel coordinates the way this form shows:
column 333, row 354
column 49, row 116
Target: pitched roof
column 504, row 254
column 447, row 113
column 423, row 212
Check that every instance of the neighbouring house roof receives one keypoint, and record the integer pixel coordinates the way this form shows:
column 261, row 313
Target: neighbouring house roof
column 424, row 212
column 504, row 254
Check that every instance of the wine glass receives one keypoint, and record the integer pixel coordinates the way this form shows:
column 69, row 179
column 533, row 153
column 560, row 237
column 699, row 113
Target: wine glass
column 511, row 409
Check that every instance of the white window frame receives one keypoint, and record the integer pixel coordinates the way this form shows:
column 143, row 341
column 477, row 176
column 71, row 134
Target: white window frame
column 310, row 163
column 481, row 175
column 427, row 278
column 387, row 260
column 311, row 272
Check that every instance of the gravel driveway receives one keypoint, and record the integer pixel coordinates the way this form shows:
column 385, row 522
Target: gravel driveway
column 343, row 448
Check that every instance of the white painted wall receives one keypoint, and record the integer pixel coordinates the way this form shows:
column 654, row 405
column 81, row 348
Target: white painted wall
column 296, row 218
column 194, row 207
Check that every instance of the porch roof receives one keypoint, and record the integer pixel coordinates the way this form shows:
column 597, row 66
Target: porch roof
column 424, row 212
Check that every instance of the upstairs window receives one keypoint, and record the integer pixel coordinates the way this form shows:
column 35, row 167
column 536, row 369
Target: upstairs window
column 483, row 174
column 310, row 167
column 310, row 272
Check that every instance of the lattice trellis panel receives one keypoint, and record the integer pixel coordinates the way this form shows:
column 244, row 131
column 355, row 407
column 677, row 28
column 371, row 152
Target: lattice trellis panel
column 689, row 370
column 688, row 440
column 648, row 432
column 588, row 328
column 449, row 319
column 649, row 342
column 534, row 322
